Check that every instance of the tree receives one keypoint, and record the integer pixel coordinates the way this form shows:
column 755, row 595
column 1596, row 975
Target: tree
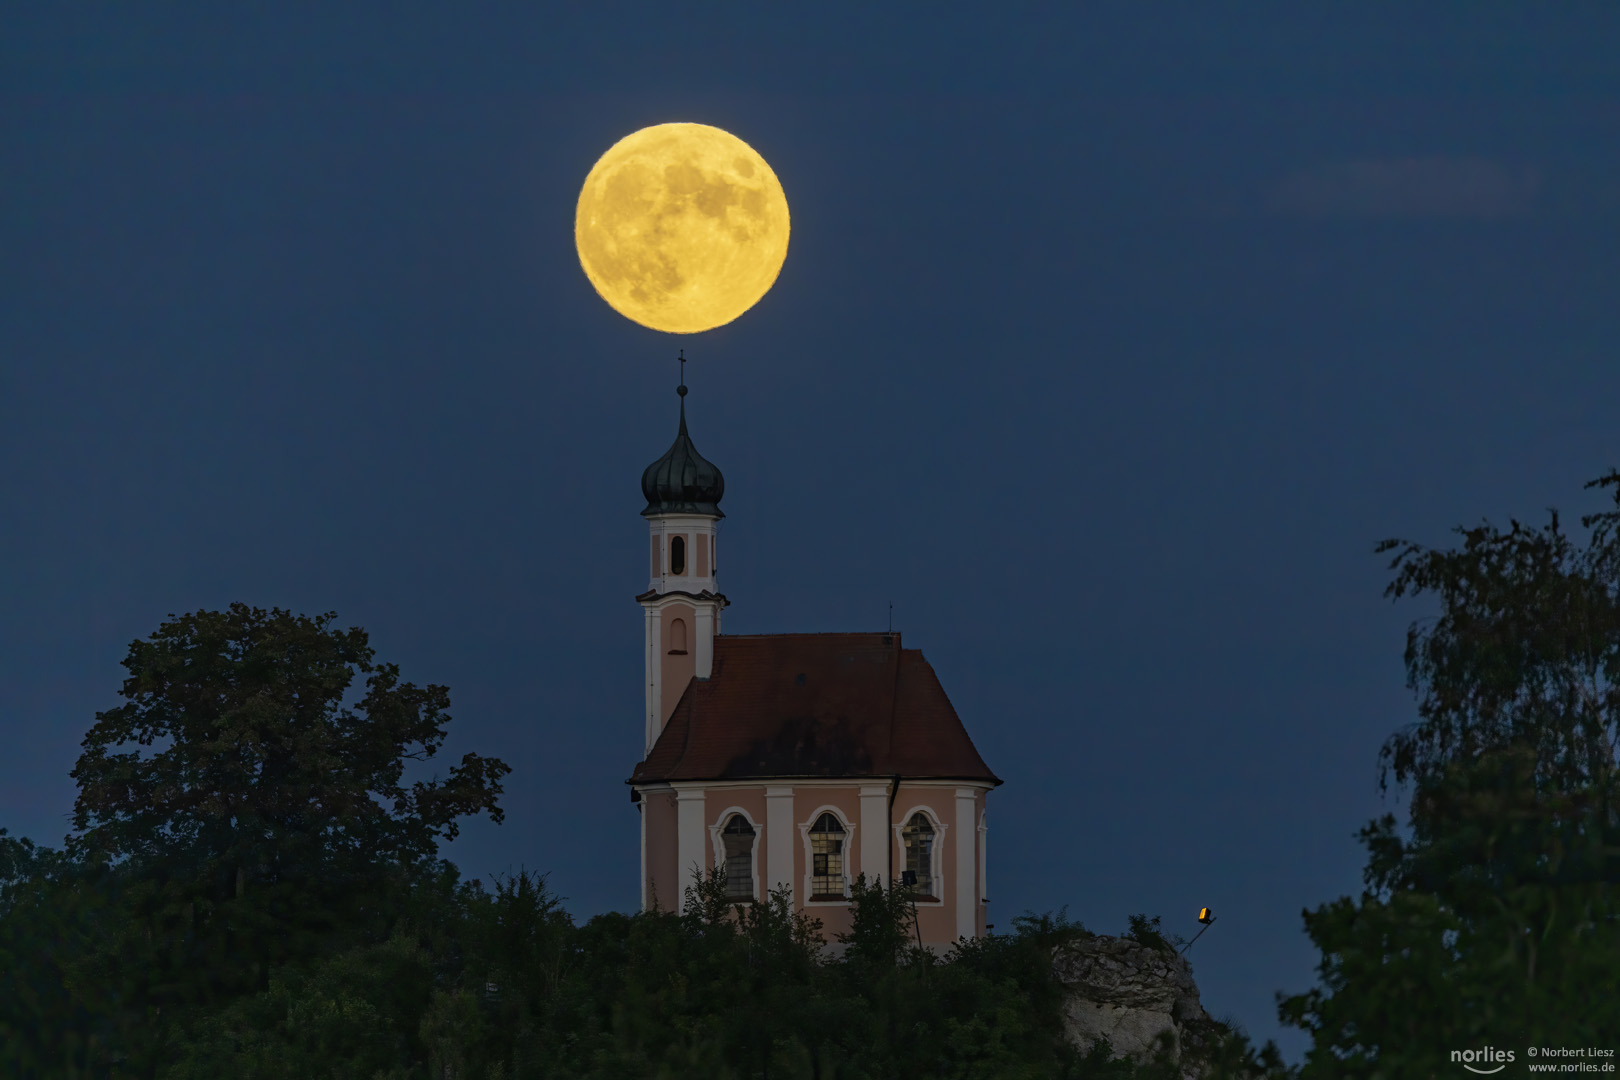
column 256, row 818
column 1495, row 920
column 55, row 1009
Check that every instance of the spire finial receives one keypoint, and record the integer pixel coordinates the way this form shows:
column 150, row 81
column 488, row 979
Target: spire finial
column 681, row 389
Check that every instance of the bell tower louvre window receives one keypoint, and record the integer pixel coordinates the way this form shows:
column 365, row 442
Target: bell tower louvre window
column 739, row 840
column 677, row 555
column 827, row 859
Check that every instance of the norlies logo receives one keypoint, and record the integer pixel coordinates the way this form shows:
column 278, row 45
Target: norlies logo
column 1488, row 1056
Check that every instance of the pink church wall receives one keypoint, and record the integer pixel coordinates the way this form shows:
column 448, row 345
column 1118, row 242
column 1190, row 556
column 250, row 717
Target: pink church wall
column 938, row 923
column 702, row 555
column 662, row 881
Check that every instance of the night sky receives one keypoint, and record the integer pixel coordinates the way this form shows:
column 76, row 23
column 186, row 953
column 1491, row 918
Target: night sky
column 1107, row 346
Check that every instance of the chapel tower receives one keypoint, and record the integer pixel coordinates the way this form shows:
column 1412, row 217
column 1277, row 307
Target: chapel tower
column 682, row 600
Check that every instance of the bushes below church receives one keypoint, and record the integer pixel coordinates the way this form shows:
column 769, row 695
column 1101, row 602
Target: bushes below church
column 478, row 984
column 503, row 984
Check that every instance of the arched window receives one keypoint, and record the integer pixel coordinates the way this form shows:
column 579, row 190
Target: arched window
column 677, row 637
column 677, row 555
column 827, row 859
column 918, row 836
column 739, row 840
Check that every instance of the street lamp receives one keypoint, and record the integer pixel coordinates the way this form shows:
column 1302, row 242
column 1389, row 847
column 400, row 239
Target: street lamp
column 908, row 881
column 1205, row 916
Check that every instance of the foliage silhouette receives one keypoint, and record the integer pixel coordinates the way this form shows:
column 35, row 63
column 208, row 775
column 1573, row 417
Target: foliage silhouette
column 1497, row 918
column 234, row 817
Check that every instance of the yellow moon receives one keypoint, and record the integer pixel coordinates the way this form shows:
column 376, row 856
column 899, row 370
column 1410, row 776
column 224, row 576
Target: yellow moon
column 681, row 227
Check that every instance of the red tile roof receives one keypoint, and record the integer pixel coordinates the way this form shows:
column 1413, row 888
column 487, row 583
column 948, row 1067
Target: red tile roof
column 814, row 705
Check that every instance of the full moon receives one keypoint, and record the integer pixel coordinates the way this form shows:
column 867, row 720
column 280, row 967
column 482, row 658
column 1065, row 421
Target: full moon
column 681, row 227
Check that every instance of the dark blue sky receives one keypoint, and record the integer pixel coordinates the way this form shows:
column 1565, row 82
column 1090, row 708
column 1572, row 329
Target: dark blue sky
column 1107, row 346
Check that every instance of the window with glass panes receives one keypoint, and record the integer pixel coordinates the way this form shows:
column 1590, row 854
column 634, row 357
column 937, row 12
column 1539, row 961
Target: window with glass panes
column 738, row 836
column 918, row 836
column 827, row 859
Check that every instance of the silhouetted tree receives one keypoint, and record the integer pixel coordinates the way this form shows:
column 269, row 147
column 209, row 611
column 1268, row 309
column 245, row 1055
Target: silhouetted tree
column 1495, row 920
column 235, row 815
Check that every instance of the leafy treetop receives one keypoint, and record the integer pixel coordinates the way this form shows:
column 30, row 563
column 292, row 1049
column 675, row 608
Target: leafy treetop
column 260, row 759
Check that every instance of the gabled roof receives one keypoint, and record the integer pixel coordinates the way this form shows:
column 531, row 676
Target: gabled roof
column 814, row 705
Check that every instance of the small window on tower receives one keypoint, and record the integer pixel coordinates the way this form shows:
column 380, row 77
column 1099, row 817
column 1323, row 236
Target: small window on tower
column 677, row 637
column 677, row 555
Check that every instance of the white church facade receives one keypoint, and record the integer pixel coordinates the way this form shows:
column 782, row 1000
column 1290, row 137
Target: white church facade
column 796, row 760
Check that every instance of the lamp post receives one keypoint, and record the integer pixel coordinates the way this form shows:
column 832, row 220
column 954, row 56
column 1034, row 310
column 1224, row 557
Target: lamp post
column 1205, row 916
column 908, row 881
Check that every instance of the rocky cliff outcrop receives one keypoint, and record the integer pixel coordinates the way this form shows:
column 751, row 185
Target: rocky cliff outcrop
column 1130, row 994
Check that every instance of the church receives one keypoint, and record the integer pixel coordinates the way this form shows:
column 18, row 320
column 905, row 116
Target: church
column 797, row 760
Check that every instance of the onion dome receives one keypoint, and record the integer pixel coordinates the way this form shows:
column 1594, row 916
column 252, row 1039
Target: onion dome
column 682, row 481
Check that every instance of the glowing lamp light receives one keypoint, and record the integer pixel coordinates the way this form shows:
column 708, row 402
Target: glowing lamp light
column 1206, row 916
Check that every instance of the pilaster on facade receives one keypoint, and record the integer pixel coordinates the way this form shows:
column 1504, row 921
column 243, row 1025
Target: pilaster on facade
column 689, row 830
column 875, row 858
column 984, row 859
column 704, row 646
column 779, row 839
column 654, row 677
column 967, row 893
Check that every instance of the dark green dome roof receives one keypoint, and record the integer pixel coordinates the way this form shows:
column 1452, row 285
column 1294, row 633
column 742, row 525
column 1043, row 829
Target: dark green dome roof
column 682, row 481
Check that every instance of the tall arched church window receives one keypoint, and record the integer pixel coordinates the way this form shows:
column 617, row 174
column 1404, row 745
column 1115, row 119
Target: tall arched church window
column 918, row 836
column 677, row 555
column 739, row 840
column 827, row 859
column 677, row 637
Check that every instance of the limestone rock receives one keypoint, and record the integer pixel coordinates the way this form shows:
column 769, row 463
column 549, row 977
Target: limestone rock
column 1128, row 993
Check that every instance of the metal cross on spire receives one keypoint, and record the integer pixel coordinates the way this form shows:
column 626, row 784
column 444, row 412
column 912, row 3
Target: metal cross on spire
column 682, row 389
